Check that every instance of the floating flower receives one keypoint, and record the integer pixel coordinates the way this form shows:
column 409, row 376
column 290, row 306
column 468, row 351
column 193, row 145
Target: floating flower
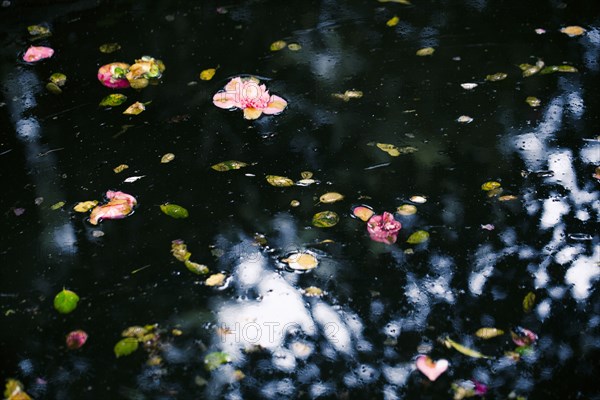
column 113, row 75
column 76, row 339
column 143, row 70
column 119, row 206
column 250, row 96
column 523, row 337
column 383, row 228
column 37, row 53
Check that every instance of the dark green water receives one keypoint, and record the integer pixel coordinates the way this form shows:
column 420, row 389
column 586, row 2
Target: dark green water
column 384, row 304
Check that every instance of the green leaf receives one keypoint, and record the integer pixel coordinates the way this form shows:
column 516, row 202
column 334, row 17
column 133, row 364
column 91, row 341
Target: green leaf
column 228, row 165
column 66, row 301
column 196, row 268
column 212, row 361
column 496, row 77
column 418, row 237
column 528, row 302
column 109, row 47
column 125, row 347
column 58, row 79
column 325, row 219
column 566, row 68
column 113, row 100
column 175, row 211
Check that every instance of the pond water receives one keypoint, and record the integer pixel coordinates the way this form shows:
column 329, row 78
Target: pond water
column 522, row 258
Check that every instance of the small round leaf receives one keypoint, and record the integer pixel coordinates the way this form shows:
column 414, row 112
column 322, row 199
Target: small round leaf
column 66, row 301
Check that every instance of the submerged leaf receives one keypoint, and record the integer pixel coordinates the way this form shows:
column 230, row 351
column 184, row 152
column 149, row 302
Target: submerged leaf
column 488, row 333
column 426, row 51
column 113, row 100
column 174, row 210
column 212, row 361
column 528, row 302
column 53, row 88
column 325, row 219
column 38, row 30
column 463, row 349
column 331, row 197
column 56, row 206
column 135, row 109
column 66, row 301
column 496, row 77
column 393, row 21
column 126, row 346
column 418, row 237
column 85, row 206
column 278, row 45
column 301, row 261
column 294, row 47
column 228, row 165
column 109, row 47
column 208, row 74
column 279, row 181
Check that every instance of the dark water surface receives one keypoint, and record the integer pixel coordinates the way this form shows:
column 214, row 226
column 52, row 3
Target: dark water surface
column 384, row 304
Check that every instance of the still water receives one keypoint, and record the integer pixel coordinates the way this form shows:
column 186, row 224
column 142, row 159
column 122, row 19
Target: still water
column 523, row 257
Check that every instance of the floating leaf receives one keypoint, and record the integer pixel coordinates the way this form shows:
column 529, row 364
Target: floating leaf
column 113, row 100
column 175, row 211
column 229, row 165
column 56, row 206
column 348, row 94
column 331, row 197
column 120, row 168
column 490, row 185
column 14, row 390
column 66, row 301
column 302, row 261
column 496, row 77
column 294, row 203
column 393, row 21
column 135, row 109
column 528, row 302
column 198, row 269
column 426, row 51
column 313, row 291
column 305, row 182
column 132, row 179
column 549, row 70
column 325, row 219
column 464, row 119
column 389, row 148
column 208, row 74
column 406, row 209
column 279, row 181
column 566, row 68
column 167, row 158
column 488, row 333
column 533, row 101
column 468, row 86
column 363, row 213
column 53, row 88
column 463, row 349
column 294, row 46
column 212, row 361
column 573, row 30
column 306, row 174
column 418, row 199
column 278, row 45
column 38, row 30
column 418, row 237
column 217, row 279
column 109, row 47
column 58, row 79
column 85, row 206
column 126, row 346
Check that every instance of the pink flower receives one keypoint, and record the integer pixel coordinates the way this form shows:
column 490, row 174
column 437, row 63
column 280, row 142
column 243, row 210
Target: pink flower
column 113, row 75
column 250, row 96
column 383, row 228
column 37, row 53
column 76, row 339
column 119, row 206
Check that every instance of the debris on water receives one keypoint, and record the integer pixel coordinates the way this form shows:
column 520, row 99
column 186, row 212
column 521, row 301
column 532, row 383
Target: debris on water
column 533, row 101
column 540, row 31
column 120, row 168
column 132, row 179
column 109, row 47
column 426, row 51
column 464, row 119
column 580, row 237
column 468, row 86
column 496, row 77
column 573, row 30
column 167, row 158
column 348, row 94
column 207, row 74
column 488, row 227
column 418, row 199
column 301, row 261
column 377, row 166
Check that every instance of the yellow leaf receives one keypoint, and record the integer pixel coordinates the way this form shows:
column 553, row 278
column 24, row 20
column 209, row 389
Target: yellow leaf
column 294, row 46
column 488, row 333
column 135, row 108
column 301, row 261
column 56, row 206
column 331, row 197
column 278, row 45
column 279, row 181
column 313, row 291
column 573, row 30
column 389, row 148
column 463, row 349
column 490, row 185
column 167, row 158
column 426, row 51
column 216, row 280
column 85, row 206
column 528, row 302
column 406, row 209
column 208, row 74
column 120, row 168
column 393, row 21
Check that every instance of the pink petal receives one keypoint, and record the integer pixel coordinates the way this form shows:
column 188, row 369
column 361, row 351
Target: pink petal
column 225, row 100
column 76, row 339
column 275, row 106
column 431, row 369
column 37, row 53
column 234, row 85
column 105, row 76
column 112, row 195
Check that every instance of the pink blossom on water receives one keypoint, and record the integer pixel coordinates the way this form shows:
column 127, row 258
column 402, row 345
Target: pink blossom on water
column 480, row 388
column 383, row 228
column 113, row 75
column 250, row 96
column 119, row 206
column 37, row 53
column 76, row 339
